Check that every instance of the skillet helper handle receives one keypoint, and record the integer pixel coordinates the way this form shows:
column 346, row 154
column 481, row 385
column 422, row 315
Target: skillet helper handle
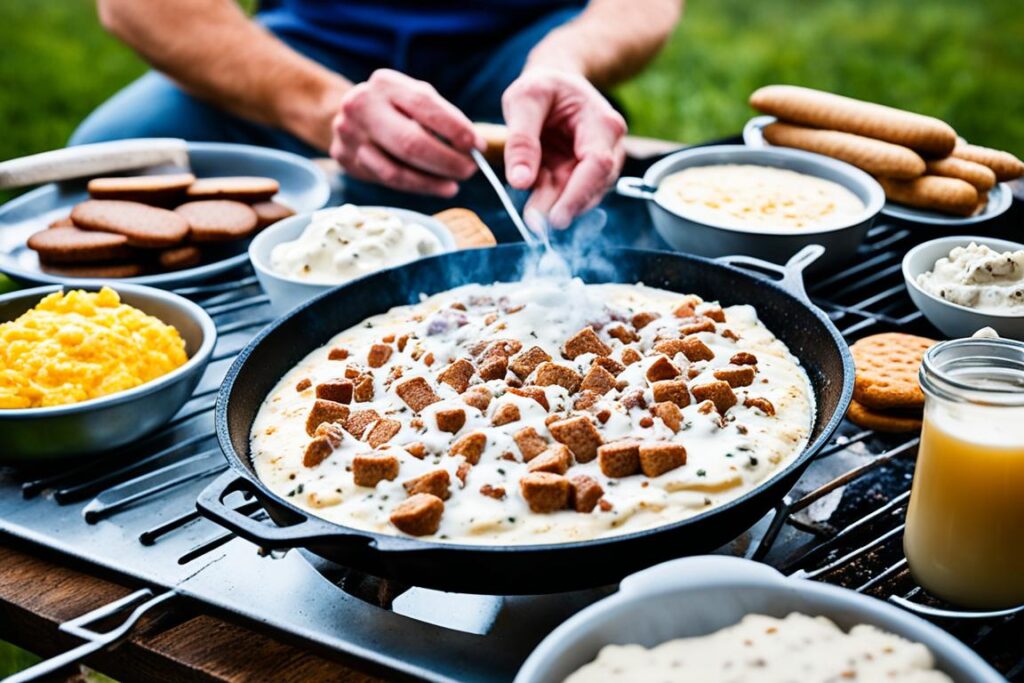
column 629, row 186
column 84, row 161
column 791, row 275
column 211, row 505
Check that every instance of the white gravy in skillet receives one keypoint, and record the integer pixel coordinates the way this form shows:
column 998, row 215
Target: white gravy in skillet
column 726, row 455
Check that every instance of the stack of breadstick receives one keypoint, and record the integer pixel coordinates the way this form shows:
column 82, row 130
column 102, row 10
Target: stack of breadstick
column 918, row 160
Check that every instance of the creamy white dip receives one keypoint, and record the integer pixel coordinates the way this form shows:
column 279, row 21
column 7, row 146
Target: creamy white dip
column 725, row 457
column 762, row 649
column 979, row 277
column 347, row 242
column 762, row 197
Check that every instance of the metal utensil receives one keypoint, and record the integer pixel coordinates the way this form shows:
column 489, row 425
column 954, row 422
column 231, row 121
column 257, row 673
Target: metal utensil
column 499, row 188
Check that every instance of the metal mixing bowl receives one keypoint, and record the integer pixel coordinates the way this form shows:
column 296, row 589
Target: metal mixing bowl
column 105, row 423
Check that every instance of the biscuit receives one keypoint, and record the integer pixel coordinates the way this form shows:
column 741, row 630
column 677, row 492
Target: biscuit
column 898, row 421
column 155, row 189
column 144, row 226
column 218, row 220
column 268, row 213
column 249, row 189
column 72, row 245
column 932, row 192
column 1003, row 164
column 980, row 176
column 95, row 270
column 179, row 258
column 467, row 228
column 874, row 156
column 65, row 222
column 835, row 112
column 887, row 366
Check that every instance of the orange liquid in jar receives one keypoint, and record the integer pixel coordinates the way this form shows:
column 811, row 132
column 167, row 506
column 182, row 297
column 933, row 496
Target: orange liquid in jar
column 964, row 538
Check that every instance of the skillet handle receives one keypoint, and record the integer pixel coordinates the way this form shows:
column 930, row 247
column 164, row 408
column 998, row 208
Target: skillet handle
column 211, row 505
column 792, row 274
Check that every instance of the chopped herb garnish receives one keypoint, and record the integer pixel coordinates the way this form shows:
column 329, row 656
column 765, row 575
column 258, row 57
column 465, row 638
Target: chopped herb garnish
column 753, row 461
column 702, row 473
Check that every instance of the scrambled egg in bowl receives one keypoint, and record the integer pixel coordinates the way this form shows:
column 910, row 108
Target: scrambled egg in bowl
column 75, row 346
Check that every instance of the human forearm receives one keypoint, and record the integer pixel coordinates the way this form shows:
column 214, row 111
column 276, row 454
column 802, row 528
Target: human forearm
column 610, row 41
column 215, row 52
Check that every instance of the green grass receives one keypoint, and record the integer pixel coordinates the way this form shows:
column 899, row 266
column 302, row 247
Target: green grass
column 960, row 61
column 954, row 59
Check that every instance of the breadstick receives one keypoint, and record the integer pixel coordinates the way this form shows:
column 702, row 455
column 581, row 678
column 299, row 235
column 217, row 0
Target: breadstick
column 874, row 156
column 1005, row 165
column 835, row 112
column 982, row 177
column 936, row 193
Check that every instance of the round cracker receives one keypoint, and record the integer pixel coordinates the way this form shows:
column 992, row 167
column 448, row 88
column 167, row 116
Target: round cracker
column 878, row 421
column 887, row 366
column 240, row 188
column 467, row 228
column 141, row 188
column 72, row 245
column 96, row 270
column 268, row 213
column 218, row 220
column 179, row 258
column 144, row 226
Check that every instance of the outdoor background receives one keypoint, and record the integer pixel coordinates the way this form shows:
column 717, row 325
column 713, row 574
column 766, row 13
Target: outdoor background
column 960, row 60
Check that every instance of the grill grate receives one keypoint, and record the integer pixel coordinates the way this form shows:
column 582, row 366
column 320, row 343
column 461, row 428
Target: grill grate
column 842, row 523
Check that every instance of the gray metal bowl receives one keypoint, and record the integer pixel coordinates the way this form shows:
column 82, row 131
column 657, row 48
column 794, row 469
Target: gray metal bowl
column 713, row 240
column 108, row 422
column 696, row 596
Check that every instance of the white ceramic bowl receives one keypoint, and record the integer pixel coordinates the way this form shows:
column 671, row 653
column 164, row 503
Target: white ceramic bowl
column 288, row 292
column 697, row 596
column 954, row 320
column 704, row 238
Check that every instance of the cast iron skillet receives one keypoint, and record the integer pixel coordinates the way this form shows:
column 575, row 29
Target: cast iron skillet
column 533, row 568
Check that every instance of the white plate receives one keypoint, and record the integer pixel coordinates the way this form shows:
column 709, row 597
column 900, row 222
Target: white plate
column 304, row 188
column 1000, row 197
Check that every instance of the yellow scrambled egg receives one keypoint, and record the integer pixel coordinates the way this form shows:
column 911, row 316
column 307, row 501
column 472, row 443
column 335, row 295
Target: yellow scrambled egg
column 79, row 345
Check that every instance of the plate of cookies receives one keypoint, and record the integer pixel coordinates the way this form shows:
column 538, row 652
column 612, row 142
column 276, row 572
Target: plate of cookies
column 929, row 174
column 164, row 226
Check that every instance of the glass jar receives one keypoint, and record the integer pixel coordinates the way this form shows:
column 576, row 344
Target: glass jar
column 964, row 538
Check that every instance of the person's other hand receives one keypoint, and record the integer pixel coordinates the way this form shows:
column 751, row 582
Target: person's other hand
column 564, row 142
column 386, row 132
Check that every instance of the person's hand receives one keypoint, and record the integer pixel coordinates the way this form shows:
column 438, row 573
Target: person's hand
column 564, row 142
column 386, row 132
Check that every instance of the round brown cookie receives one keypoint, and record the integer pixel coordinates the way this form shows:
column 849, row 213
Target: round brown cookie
column 467, row 228
column 268, row 213
column 65, row 222
column 144, row 226
column 96, row 270
column 179, row 258
column 887, row 366
column 240, row 188
column 72, row 245
column 218, row 220
column 147, row 189
column 863, row 416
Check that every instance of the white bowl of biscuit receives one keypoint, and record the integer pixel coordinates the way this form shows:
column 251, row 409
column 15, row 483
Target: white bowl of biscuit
column 963, row 284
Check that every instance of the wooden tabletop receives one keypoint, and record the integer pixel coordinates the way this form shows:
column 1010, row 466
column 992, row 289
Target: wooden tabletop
column 178, row 643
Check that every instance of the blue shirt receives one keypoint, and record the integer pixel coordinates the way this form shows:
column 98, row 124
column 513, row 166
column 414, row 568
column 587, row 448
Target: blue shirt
column 387, row 31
